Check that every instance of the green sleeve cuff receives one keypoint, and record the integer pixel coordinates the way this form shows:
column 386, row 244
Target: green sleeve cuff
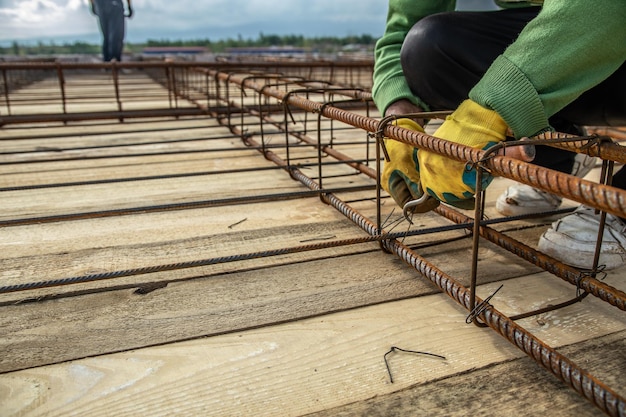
column 392, row 90
column 507, row 90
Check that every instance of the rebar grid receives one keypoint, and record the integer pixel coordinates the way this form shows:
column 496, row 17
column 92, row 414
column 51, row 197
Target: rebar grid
column 584, row 383
column 524, row 172
column 257, row 104
column 131, row 82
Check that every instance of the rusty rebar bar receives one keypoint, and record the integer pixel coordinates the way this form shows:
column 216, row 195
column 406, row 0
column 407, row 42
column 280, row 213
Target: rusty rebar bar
column 603, row 197
column 581, row 280
column 583, row 382
column 572, row 275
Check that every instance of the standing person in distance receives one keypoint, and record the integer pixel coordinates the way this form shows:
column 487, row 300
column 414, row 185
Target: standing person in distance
column 112, row 25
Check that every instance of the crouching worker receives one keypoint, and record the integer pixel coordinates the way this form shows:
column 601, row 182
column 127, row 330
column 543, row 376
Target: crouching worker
column 528, row 68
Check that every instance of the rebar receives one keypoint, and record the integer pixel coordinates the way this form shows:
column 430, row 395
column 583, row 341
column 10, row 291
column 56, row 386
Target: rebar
column 570, row 373
column 583, row 382
column 208, row 89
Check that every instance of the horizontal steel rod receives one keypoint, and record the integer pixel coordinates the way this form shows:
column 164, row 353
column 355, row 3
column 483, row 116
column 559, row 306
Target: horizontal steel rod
column 104, row 115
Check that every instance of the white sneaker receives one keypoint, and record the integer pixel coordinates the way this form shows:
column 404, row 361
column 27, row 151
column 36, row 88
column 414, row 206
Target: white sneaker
column 520, row 199
column 583, row 164
column 572, row 239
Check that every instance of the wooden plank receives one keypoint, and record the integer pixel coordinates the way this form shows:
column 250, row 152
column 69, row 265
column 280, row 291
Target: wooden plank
column 77, row 199
column 242, row 295
column 72, row 249
column 518, row 387
column 81, row 134
column 276, row 335
column 301, row 367
column 128, row 242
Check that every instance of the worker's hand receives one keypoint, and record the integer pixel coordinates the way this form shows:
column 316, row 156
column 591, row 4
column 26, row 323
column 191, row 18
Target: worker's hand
column 400, row 176
column 452, row 181
column 130, row 12
column 403, row 107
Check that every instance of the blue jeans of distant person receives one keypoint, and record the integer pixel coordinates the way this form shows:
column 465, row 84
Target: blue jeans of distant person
column 111, row 18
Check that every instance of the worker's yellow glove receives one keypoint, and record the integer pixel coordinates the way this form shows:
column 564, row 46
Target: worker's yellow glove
column 400, row 176
column 448, row 180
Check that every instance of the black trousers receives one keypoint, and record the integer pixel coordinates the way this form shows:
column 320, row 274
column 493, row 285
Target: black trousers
column 445, row 55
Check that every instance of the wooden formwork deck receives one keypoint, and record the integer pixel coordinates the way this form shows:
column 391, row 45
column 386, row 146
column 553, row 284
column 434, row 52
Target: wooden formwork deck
column 290, row 333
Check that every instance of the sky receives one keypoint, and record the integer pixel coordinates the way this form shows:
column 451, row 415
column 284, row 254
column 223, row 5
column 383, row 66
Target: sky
column 60, row 21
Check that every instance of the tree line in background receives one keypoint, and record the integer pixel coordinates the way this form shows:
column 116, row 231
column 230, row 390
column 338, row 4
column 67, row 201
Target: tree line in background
column 323, row 44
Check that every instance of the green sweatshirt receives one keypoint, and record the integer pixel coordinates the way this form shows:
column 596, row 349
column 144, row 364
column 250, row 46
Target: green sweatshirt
column 571, row 46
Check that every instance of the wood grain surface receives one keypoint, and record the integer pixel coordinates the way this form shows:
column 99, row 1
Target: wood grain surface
column 269, row 324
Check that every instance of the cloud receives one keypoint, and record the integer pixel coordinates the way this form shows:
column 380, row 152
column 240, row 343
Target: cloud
column 27, row 12
column 70, row 20
column 185, row 14
column 23, row 19
column 31, row 19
